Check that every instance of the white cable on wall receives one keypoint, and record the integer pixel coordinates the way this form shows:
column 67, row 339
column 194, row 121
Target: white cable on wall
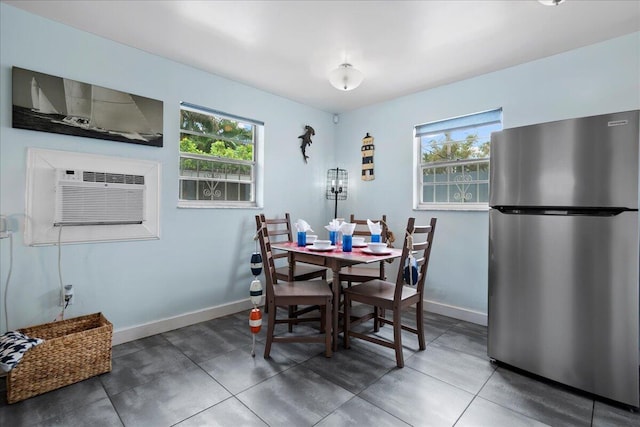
column 64, row 306
column 6, row 286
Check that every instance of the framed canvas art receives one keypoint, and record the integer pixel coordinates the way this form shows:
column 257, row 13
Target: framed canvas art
column 59, row 105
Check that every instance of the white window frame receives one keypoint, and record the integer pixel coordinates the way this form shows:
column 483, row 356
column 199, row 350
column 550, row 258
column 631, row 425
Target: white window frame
column 450, row 124
column 256, row 176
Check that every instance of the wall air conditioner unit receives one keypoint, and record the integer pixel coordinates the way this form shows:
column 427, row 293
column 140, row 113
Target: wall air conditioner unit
column 98, row 198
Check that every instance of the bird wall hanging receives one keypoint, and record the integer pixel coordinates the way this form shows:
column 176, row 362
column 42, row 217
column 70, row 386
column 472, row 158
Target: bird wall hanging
column 306, row 141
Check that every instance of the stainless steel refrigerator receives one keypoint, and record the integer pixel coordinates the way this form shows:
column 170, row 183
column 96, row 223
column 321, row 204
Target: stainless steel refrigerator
column 564, row 252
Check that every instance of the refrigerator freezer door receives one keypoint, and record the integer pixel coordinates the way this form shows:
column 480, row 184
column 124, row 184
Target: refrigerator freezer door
column 586, row 162
column 563, row 299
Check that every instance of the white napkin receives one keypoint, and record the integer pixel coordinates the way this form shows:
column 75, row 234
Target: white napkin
column 347, row 228
column 334, row 225
column 374, row 227
column 302, row 225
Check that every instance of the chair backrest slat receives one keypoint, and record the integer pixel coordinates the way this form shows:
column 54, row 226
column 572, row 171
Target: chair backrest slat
column 267, row 252
column 362, row 229
column 279, row 231
column 422, row 241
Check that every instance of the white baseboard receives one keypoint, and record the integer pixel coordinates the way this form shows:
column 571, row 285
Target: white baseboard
column 159, row 326
column 456, row 312
column 163, row 325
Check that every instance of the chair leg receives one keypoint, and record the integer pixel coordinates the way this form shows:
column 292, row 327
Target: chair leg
column 266, row 301
column 347, row 321
column 327, row 330
column 376, row 319
column 397, row 336
column 420, row 324
column 270, row 328
column 292, row 309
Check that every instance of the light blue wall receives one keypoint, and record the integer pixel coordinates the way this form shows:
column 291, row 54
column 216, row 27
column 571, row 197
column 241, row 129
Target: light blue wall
column 201, row 260
column 202, row 257
column 597, row 79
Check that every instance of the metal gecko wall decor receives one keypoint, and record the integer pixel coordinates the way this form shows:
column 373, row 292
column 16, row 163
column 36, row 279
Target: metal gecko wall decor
column 306, row 141
column 367, row 158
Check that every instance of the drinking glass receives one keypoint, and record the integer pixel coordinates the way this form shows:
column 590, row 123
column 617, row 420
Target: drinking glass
column 333, row 237
column 346, row 243
column 375, row 238
column 302, row 238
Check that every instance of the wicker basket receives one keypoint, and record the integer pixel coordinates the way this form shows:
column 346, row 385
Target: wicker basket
column 74, row 350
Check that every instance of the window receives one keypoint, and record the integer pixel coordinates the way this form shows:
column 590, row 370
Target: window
column 217, row 158
column 453, row 161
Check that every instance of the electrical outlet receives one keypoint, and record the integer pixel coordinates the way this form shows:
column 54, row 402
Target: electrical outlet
column 66, row 296
column 4, row 232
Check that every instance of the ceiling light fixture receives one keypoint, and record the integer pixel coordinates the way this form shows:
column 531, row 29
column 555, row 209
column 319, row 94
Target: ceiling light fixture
column 345, row 77
column 551, row 2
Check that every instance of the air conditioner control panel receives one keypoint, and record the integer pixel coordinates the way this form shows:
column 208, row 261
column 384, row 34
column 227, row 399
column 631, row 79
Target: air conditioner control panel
column 69, row 175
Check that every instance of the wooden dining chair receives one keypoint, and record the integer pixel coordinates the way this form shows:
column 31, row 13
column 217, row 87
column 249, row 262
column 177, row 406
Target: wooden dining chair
column 280, row 231
column 358, row 273
column 314, row 293
column 396, row 296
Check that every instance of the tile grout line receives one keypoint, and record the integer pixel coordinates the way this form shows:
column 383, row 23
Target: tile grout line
column 373, row 404
column 514, row 410
column 232, row 395
column 477, row 395
column 111, row 401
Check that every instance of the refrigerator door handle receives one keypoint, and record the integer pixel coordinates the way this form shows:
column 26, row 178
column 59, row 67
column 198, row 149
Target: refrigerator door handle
column 562, row 211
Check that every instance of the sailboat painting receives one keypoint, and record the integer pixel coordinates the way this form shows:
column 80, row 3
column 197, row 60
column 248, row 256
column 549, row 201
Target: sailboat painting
column 59, row 105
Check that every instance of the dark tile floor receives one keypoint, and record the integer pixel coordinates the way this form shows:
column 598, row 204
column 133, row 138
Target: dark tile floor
column 204, row 375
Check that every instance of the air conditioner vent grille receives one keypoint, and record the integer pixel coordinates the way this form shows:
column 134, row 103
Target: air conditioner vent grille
column 119, row 178
column 97, row 206
column 99, row 198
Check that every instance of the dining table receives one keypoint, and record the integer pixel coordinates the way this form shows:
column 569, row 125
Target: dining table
column 334, row 258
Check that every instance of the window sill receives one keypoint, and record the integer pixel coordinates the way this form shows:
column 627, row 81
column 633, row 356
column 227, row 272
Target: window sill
column 220, row 205
column 453, row 207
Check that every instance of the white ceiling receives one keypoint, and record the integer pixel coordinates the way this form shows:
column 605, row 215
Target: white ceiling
column 288, row 48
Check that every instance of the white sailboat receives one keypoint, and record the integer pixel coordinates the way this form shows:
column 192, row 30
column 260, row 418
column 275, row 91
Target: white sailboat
column 78, row 101
column 119, row 113
column 105, row 110
column 39, row 100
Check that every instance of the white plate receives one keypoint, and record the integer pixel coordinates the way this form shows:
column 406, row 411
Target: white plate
column 312, row 248
column 370, row 252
